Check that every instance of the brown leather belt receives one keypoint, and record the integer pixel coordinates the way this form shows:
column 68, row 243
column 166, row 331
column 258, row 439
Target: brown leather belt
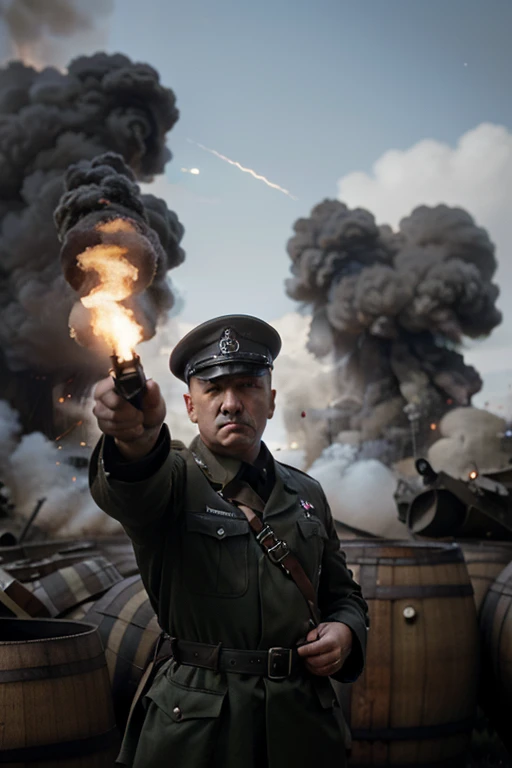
column 274, row 664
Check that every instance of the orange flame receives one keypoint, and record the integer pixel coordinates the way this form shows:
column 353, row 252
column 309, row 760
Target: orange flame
column 111, row 321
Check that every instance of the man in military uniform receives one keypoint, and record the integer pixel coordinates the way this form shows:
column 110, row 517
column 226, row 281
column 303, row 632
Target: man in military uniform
column 241, row 562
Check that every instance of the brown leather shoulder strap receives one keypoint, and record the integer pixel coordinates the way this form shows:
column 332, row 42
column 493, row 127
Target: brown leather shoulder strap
column 280, row 554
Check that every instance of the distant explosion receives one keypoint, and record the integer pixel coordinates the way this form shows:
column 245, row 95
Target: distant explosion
column 49, row 121
column 392, row 309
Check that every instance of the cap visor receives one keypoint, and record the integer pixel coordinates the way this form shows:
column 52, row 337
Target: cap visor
column 230, row 369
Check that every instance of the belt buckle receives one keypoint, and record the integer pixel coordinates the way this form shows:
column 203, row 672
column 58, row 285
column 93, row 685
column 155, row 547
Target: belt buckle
column 276, row 657
column 276, row 557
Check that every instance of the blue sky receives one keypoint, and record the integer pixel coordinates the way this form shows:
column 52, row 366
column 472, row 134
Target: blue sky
column 303, row 93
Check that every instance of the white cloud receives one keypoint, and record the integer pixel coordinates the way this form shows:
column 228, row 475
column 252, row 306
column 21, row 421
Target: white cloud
column 476, row 174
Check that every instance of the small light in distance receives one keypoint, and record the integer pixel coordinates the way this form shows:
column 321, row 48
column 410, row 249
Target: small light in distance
column 473, row 474
column 195, row 171
column 294, row 446
column 433, row 427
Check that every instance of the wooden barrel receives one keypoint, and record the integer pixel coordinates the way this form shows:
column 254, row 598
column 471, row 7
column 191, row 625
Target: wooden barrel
column 119, row 550
column 484, row 560
column 30, row 570
column 496, row 636
column 35, row 550
column 68, row 587
column 129, row 630
column 415, row 703
column 55, row 700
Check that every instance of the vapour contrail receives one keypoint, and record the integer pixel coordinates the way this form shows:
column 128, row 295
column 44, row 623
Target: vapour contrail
column 244, row 169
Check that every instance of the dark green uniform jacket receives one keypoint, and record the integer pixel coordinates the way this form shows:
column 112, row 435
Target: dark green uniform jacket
column 209, row 581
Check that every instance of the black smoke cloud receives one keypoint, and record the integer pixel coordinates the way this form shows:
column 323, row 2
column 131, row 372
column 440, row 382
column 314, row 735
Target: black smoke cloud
column 44, row 30
column 49, row 121
column 395, row 307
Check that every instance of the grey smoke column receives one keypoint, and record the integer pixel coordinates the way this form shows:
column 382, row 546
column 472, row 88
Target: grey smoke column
column 43, row 29
column 49, row 121
column 395, row 306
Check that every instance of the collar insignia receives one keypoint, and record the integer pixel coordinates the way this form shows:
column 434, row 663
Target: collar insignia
column 228, row 343
column 200, row 463
column 306, row 506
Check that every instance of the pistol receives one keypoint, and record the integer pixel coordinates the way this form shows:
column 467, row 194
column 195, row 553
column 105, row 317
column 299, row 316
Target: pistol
column 129, row 379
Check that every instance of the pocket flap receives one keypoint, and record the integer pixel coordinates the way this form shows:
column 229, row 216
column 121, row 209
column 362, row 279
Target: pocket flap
column 311, row 526
column 218, row 527
column 185, row 703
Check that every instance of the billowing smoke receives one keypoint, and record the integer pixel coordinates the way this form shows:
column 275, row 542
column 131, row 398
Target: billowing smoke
column 359, row 491
column 37, row 468
column 49, row 121
column 394, row 307
column 103, row 213
column 471, row 439
column 43, row 31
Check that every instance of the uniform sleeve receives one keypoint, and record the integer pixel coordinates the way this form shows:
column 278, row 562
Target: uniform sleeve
column 138, row 493
column 340, row 599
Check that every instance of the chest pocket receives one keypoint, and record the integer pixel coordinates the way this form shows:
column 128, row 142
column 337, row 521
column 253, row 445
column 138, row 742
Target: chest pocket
column 311, row 543
column 215, row 555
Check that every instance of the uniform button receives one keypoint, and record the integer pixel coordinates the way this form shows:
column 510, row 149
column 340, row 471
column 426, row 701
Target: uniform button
column 177, row 713
column 220, row 531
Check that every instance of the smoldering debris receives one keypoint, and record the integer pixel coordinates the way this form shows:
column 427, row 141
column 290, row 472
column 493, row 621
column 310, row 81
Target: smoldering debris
column 48, row 121
column 393, row 308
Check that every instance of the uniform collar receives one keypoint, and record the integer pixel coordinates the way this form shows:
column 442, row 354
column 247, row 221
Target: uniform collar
column 284, row 494
column 220, row 470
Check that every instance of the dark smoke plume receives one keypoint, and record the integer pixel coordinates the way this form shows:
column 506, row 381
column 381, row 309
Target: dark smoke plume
column 44, row 30
column 395, row 306
column 103, row 206
column 49, row 121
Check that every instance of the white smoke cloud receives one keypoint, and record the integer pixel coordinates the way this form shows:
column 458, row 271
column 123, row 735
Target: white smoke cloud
column 360, row 493
column 471, row 438
column 33, row 468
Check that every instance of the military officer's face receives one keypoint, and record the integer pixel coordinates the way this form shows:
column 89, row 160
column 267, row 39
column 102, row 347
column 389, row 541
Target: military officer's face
column 231, row 413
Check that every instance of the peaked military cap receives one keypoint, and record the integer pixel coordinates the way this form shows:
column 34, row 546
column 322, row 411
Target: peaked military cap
column 232, row 344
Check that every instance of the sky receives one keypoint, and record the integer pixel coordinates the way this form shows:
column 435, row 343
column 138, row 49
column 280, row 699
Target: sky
column 304, row 93
column 385, row 103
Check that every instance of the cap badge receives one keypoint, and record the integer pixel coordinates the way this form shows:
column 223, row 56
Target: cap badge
column 228, row 343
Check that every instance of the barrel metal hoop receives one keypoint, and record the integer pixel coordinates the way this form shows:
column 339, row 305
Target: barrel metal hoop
column 412, row 591
column 413, row 733
column 61, row 750
column 436, row 558
column 53, row 670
